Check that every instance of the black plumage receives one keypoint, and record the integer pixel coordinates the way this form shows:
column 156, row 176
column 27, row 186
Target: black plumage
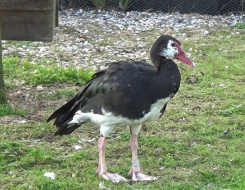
column 124, row 89
column 128, row 90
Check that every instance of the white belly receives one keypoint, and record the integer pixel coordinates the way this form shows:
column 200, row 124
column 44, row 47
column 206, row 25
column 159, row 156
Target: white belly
column 110, row 120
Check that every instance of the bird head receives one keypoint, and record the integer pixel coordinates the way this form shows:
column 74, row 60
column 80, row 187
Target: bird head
column 168, row 47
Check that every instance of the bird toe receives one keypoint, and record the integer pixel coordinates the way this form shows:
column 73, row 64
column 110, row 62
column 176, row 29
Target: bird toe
column 114, row 177
column 143, row 177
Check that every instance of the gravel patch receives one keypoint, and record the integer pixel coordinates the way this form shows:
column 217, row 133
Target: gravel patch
column 94, row 38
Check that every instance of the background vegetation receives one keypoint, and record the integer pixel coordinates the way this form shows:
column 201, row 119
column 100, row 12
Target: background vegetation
column 199, row 143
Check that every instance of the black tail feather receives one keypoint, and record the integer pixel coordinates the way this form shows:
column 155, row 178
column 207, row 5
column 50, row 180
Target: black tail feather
column 62, row 111
column 66, row 130
column 64, row 114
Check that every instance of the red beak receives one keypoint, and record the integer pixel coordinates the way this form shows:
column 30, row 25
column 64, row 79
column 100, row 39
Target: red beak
column 182, row 57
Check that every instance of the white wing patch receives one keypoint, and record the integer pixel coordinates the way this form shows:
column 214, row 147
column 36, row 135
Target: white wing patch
column 79, row 117
column 108, row 121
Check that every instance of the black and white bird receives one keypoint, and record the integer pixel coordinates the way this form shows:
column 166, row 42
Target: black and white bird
column 127, row 93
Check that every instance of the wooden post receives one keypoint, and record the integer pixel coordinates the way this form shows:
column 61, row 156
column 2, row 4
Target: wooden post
column 56, row 13
column 3, row 99
column 31, row 20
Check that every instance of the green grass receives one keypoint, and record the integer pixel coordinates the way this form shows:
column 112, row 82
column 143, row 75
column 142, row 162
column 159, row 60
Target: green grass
column 239, row 26
column 8, row 110
column 58, row 94
column 20, row 43
column 199, row 143
column 20, row 72
column 233, row 109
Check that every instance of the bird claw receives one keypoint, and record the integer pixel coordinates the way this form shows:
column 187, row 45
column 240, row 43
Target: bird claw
column 138, row 176
column 115, row 178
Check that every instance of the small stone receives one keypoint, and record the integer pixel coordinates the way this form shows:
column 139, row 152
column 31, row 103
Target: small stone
column 206, row 32
column 77, row 147
column 22, row 122
column 50, row 175
column 39, row 88
column 42, row 49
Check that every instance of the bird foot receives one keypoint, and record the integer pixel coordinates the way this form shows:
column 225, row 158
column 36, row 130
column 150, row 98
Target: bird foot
column 115, row 178
column 138, row 176
column 143, row 177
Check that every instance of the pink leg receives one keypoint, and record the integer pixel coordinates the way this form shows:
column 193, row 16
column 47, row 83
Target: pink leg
column 102, row 145
column 135, row 170
column 102, row 170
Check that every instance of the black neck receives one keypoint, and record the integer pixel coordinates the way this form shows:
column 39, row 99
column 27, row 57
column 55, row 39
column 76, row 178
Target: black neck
column 160, row 62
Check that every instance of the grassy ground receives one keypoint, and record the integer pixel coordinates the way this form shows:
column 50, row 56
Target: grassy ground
column 199, row 143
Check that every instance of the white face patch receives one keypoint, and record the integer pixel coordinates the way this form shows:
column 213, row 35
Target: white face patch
column 170, row 51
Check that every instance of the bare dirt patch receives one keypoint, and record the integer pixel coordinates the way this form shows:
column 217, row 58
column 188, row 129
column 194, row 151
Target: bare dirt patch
column 32, row 100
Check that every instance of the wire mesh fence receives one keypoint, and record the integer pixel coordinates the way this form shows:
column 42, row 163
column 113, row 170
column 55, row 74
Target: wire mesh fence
column 212, row 7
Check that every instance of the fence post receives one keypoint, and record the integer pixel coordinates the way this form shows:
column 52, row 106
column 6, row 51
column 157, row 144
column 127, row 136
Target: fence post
column 56, row 13
column 3, row 99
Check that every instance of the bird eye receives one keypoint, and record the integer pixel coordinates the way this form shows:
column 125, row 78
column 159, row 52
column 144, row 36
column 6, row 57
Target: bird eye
column 173, row 44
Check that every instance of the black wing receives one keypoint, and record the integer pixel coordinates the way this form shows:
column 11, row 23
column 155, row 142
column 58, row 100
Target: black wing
column 127, row 89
